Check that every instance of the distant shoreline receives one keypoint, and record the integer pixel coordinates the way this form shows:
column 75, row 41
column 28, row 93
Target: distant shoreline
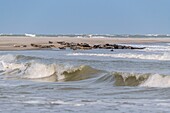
column 8, row 43
column 90, row 35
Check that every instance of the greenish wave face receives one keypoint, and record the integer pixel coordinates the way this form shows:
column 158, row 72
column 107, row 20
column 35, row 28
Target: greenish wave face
column 127, row 79
column 82, row 73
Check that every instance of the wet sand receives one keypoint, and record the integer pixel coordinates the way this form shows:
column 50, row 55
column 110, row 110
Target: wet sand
column 8, row 43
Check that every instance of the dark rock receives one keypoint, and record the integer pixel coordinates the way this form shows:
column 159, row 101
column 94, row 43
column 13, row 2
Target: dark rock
column 33, row 45
column 52, row 45
column 84, row 45
column 115, row 46
column 62, row 48
column 48, row 46
column 137, row 47
column 50, row 42
column 23, row 45
column 96, row 46
column 44, row 46
column 62, row 43
column 37, row 45
column 108, row 47
column 76, row 46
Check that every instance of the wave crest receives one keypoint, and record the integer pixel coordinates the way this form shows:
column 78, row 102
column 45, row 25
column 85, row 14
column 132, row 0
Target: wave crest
column 46, row 72
column 141, row 80
column 30, row 35
column 164, row 56
column 34, row 70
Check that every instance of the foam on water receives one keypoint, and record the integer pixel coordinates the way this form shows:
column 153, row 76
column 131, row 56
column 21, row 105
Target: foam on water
column 11, row 66
column 57, row 102
column 164, row 56
column 52, row 72
column 30, row 35
column 156, row 48
column 122, row 86
column 56, row 71
column 34, row 70
column 8, row 63
column 38, row 70
column 157, row 80
column 7, row 58
column 141, row 80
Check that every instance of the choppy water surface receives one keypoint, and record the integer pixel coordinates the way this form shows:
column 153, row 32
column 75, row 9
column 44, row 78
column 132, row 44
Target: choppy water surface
column 86, row 81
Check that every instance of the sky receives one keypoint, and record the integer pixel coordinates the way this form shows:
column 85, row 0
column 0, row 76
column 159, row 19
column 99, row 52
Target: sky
column 85, row 16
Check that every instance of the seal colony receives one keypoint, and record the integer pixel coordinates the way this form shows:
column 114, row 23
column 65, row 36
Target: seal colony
column 85, row 46
column 8, row 43
column 99, row 46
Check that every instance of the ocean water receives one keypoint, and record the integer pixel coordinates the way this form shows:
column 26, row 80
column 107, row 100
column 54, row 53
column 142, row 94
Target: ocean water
column 86, row 81
column 90, row 35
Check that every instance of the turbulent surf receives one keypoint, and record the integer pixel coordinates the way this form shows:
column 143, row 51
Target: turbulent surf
column 76, row 80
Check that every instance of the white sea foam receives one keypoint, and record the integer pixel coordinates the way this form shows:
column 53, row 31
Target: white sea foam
column 142, row 79
column 30, row 35
column 152, row 35
column 157, row 80
column 11, row 66
column 158, row 48
column 8, row 58
column 35, row 70
column 38, row 70
column 7, row 62
column 57, row 102
column 164, row 56
column 152, row 48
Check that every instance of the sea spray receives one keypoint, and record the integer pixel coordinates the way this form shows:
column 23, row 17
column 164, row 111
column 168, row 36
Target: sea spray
column 141, row 79
column 157, row 80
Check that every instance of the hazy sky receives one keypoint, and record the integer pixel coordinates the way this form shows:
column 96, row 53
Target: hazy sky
column 85, row 16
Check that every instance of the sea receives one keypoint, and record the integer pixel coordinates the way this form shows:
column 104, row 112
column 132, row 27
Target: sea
column 87, row 81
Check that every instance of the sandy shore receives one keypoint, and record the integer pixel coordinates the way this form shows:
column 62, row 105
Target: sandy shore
column 12, row 43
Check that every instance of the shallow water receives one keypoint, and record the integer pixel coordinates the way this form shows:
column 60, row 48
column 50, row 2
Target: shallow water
column 86, row 81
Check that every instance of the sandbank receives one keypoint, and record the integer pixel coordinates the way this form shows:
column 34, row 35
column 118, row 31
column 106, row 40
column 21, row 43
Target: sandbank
column 9, row 43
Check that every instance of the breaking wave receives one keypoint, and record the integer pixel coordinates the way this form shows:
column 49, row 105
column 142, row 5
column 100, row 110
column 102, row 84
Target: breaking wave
column 36, row 71
column 141, row 80
column 164, row 56
column 30, row 35
column 47, row 72
column 94, row 35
